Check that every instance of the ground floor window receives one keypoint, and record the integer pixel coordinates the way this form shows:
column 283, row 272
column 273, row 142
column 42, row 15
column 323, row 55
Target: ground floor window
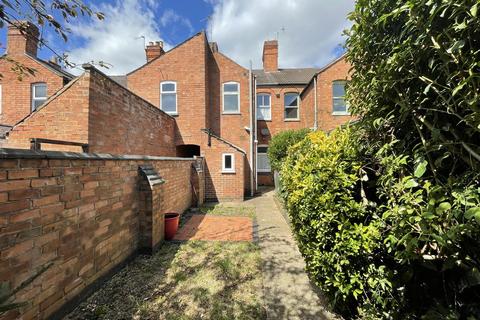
column 228, row 162
column 263, row 164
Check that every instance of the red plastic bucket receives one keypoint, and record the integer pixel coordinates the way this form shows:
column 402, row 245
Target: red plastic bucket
column 171, row 225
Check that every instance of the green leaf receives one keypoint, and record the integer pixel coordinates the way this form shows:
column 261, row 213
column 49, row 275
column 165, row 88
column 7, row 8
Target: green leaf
column 411, row 183
column 473, row 10
column 442, row 207
column 473, row 213
column 420, row 169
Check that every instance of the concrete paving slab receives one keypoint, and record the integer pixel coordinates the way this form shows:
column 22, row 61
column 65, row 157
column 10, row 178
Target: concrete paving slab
column 288, row 292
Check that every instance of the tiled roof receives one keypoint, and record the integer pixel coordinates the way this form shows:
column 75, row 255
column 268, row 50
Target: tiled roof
column 121, row 80
column 55, row 68
column 285, row 76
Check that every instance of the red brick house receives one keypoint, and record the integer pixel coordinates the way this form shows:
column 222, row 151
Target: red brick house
column 19, row 97
column 218, row 109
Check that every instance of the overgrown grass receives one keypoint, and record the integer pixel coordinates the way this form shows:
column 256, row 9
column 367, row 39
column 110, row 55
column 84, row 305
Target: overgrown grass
column 191, row 280
column 226, row 210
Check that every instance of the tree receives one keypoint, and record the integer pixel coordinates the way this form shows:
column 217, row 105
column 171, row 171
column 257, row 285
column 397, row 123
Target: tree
column 54, row 15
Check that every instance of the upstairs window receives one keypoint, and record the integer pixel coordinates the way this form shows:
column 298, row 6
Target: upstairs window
column 39, row 94
column 339, row 104
column 231, row 97
column 264, row 110
column 168, row 97
column 228, row 163
column 291, row 101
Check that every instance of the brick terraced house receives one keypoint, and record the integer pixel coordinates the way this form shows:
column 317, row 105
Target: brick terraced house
column 199, row 102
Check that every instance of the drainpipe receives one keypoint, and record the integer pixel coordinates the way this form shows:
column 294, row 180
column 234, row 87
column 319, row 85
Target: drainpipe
column 315, row 124
column 255, row 129
column 250, row 85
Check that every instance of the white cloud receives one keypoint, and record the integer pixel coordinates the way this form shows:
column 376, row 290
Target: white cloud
column 115, row 40
column 170, row 16
column 308, row 30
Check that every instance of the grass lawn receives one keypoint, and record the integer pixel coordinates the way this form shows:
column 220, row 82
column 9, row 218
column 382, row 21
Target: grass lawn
column 226, row 210
column 188, row 280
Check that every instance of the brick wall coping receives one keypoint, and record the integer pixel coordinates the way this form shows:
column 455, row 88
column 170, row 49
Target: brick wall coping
column 7, row 153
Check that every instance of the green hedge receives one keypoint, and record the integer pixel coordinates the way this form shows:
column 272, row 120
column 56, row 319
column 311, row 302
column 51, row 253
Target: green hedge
column 382, row 240
column 278, row 146
column 387, row 214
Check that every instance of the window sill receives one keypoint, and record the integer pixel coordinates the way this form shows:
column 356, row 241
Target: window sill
column 231, row 113
column 228, row 172
column 340, row 113
column 291, row 120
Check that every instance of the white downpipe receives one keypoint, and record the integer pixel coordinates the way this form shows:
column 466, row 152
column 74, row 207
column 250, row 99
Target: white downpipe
column 252, row 173
column 255, row 130
column 315, row 124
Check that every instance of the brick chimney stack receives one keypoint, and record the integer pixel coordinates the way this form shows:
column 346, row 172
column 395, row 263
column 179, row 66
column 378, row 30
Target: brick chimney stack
column 154, row 50
column 270, row 56
column 22, row 38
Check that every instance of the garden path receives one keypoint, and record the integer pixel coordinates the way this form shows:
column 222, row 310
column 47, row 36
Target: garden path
column 288, row 293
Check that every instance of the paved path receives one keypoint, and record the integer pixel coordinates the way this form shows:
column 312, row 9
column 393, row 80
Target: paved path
column 288, row 293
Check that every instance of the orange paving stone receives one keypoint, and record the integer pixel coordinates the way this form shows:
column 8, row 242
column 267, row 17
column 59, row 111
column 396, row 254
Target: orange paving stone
column 220, row 228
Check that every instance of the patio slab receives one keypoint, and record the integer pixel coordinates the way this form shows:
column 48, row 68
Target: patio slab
column 216, row 228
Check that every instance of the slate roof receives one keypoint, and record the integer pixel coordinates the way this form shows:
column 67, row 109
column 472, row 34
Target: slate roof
column 285, row 76
column 121, row 80
column 55, row 68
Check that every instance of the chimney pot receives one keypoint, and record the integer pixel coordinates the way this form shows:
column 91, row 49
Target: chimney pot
column 270, row 56
column 213, row 46
column 154, row 50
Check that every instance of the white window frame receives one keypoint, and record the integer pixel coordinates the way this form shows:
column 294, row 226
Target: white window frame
column 228, row 170
column 231, row 94
column 33, row 93
column 339, row 113
column 265, row 107
column 258, row 153
column 172, row 113
column 289, row 107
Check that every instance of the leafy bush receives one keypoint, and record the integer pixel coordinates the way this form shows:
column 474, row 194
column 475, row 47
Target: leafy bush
column 336, row 231
column 388, row 218
column 417, row 79
column 380, row 240
column 277, row 149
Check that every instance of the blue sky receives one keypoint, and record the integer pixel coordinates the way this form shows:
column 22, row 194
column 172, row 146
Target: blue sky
column 309, row 31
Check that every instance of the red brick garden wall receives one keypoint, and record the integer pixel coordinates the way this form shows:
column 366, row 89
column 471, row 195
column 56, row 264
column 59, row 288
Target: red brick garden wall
column 80, row 214
column 121, row 122
column 94, row 109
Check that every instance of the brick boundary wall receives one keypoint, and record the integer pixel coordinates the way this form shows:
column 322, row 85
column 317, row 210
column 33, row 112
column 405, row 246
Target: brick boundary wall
column 81, row 213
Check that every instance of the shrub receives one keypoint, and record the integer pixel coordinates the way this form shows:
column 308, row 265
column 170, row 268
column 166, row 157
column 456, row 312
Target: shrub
column 382, row 240
column 388, row 218
column 335, row 229
column 277, row 149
